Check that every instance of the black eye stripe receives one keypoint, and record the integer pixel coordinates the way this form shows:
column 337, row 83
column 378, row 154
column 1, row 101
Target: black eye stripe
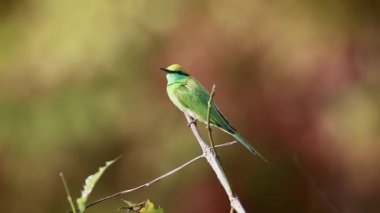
column 175, row 71
column 179, row 73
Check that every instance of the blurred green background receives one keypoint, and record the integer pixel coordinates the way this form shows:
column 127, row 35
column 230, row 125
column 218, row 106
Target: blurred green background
column 80, row 84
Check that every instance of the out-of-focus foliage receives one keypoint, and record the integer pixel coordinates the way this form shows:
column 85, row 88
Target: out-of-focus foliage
column 80, row 84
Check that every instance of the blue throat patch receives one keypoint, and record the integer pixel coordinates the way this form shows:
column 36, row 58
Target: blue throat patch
column 174, row 77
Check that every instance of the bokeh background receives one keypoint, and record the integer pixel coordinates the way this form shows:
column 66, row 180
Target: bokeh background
column 80, row 84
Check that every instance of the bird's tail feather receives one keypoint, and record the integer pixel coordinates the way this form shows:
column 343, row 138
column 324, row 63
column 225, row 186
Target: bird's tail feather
column 247, row 145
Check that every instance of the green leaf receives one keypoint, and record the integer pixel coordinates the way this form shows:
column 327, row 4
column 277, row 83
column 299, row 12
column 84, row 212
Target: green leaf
column 149, row 208
column 143, row 207
column 90, row 184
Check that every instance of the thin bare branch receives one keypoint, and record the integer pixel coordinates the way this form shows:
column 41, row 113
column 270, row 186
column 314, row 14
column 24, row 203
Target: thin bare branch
column 156, row 179
column 214, row 163
column 226, row 144
column 69, row 199
column 146, row 184
column 208, row 120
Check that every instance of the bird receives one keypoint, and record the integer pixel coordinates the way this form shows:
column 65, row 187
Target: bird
column 189, row 96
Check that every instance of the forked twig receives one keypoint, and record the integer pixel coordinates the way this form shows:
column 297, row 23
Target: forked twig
column 214, row 163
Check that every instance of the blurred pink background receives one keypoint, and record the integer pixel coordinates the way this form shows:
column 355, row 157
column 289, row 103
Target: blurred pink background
column 80, row 84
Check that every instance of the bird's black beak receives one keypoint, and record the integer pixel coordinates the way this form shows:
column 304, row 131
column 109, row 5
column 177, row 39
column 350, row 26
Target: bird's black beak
column 165, row 70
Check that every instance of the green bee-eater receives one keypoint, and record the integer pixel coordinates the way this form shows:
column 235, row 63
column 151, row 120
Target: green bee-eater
column 191, row 98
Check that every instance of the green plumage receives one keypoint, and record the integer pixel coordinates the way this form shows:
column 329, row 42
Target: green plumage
column 191, row 98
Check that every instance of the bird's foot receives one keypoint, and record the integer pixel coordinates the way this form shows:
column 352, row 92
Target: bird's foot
column 193, row 121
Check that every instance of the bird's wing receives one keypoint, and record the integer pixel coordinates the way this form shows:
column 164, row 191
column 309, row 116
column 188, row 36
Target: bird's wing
column 195, row 98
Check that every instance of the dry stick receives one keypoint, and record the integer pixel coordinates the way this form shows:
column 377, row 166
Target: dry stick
column 208, row 120
column 69, row 199
column 214, row 163
column 146, row 184
column 218, row 167
column 156, row 179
